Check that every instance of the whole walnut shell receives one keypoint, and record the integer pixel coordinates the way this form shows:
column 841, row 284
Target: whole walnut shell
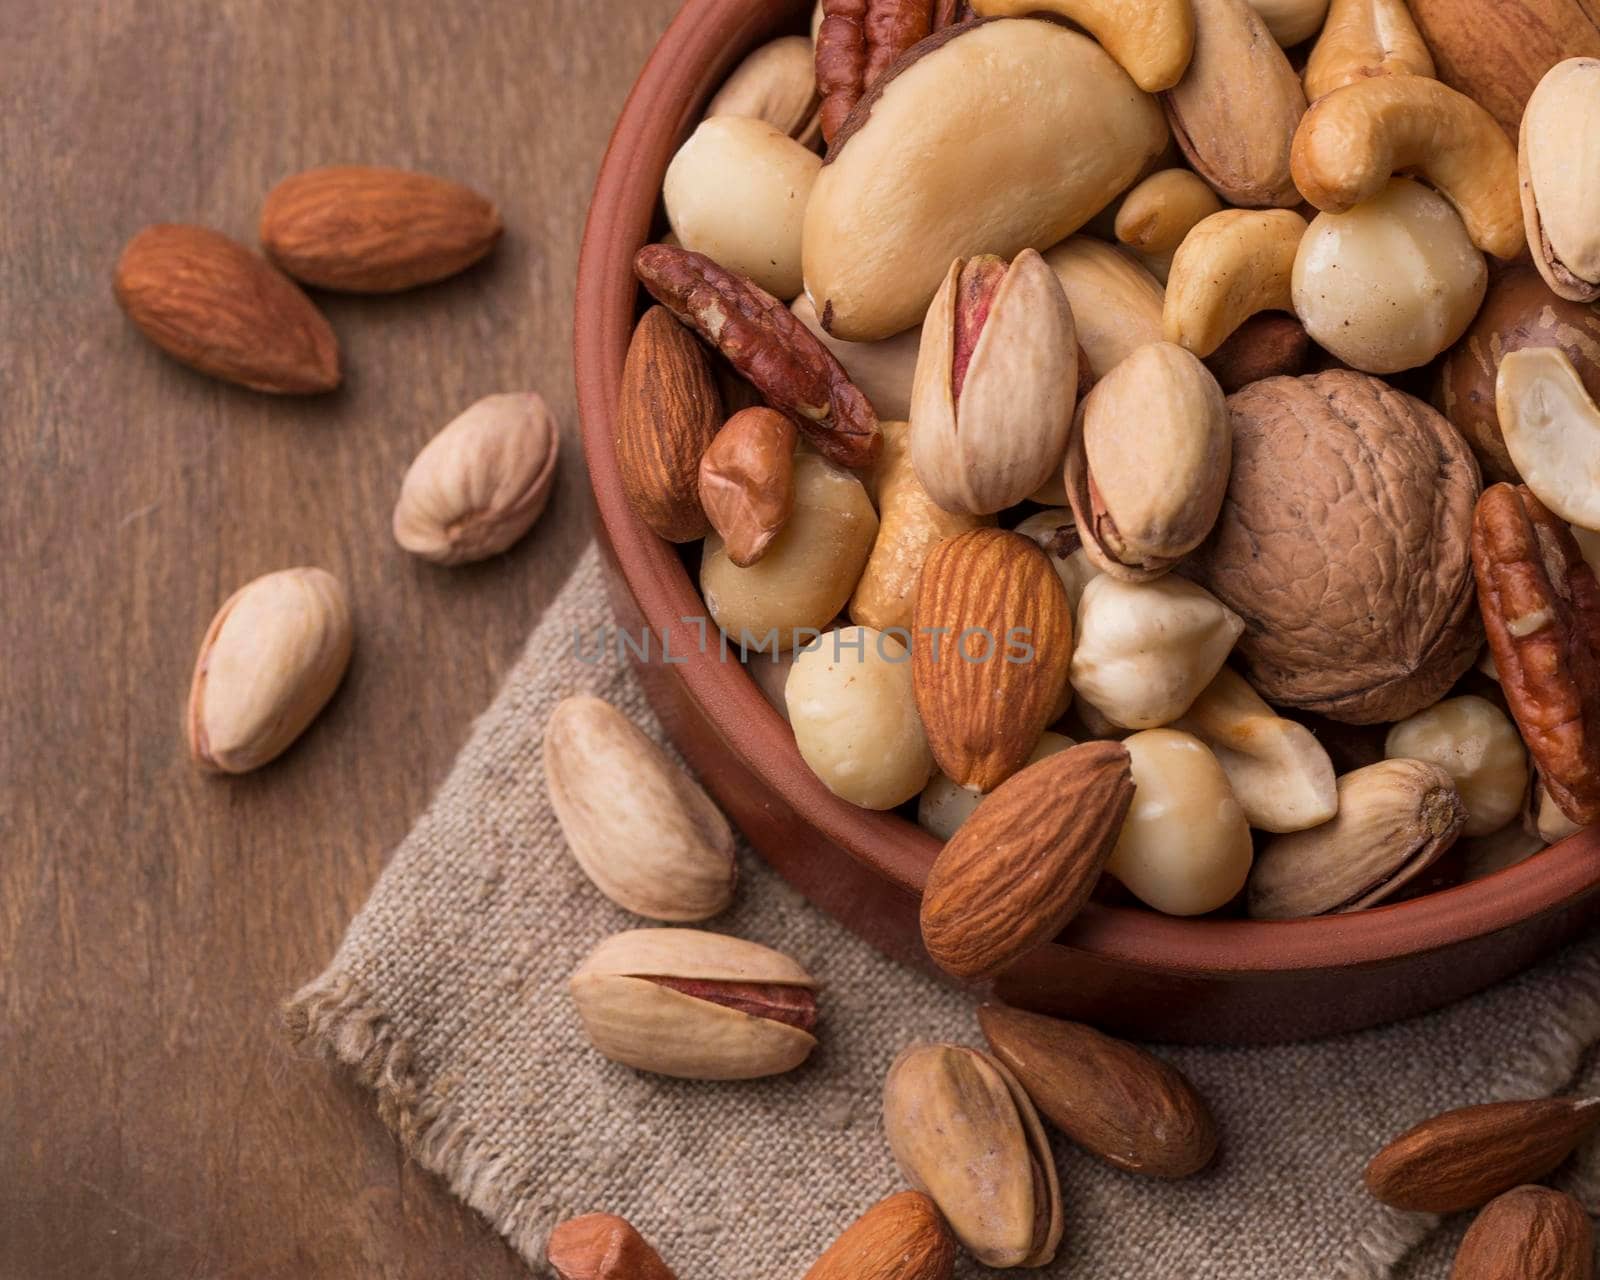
column 1344, row 546
column 1519, row 311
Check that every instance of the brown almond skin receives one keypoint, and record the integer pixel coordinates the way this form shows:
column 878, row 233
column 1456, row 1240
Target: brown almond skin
column 602, row 1246
column 365, row 229
column 903, row 1237
column 984, row 715
column 668, row 412
column 213, row 305
column 1464, row 1158
column 1026, row 861
column 1116, row 1101
column 1531, row 1233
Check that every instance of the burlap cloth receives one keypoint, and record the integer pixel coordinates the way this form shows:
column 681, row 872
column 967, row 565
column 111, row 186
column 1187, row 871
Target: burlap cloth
column 448, row 998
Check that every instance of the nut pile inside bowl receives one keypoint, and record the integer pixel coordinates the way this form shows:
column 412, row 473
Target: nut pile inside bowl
column 1089, row 448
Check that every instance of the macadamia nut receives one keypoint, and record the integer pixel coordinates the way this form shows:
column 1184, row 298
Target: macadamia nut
column 809, row 569
column 1185, row 846
column 855, row 717
column 1475, row 742
column 1390, row 284
column 736, row 192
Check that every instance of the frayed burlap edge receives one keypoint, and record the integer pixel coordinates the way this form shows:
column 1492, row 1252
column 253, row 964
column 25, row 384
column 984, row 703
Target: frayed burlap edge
column 1552, row 1058
column 336, row 1016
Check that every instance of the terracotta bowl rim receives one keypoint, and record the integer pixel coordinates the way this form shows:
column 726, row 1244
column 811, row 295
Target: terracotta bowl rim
column 691, row 58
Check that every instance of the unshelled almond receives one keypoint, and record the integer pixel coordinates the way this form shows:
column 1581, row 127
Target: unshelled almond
column 1530, row 1233
column 1027, row 859
column 668, row 411
column 1464, row 1158
column 901, row 1238
column 210, row 303
column 1113, row 1099
column 602, row 1246
column 366, row 229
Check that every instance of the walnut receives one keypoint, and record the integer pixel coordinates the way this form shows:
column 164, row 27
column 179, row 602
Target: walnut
column 1344, row 544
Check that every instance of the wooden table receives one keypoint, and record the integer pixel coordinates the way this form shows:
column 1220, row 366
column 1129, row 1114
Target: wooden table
column 153, row 1120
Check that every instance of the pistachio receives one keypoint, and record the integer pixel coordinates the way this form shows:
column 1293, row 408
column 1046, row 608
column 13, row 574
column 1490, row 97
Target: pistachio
column 850, row 699
column 658, row 847
column 996, row 381
column 1145, row 651
column 1056, row 531
column 777, row 83
column 1147, row 467
column 479, row 484
column 1475, row 742
column 270, row 660
column 1395, row 818
column 963, row 1131
column 701, row 1006
column 736, row 191
column 939, row 161
column 1559, row 158
column 1279, row 772
column 1116, row 303
column 1185, row 845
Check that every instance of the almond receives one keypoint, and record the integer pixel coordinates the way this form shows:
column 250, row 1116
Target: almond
column 1026, row 861
column 1112, row 1098
column 901, row 1238
column 362, row 229
column 1531, row 1233
column 1464, row 1158
column 668, row 412
column 992, row 647
column 209, row 302
column 602, row 1246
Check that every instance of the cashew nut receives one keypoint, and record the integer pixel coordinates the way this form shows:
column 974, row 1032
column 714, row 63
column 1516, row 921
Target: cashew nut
column 1352, row 140
column 1362, row 39
column 1150, row 39
column 1230, row 266
column 1158, row 213
column 1552, row 430
column 1280, row 773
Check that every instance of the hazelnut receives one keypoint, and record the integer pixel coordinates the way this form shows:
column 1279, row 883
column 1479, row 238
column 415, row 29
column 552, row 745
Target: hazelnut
column 1475, row 742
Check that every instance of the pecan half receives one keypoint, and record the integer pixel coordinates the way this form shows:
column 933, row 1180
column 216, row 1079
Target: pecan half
column 769, row 345
column 859, row 40
column 1541, row 607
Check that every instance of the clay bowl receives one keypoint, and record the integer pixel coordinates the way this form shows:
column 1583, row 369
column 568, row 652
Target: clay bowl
column 1216, row 980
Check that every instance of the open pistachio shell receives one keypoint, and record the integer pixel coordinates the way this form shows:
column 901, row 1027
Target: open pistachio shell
column 674, row 1001
column 962, row 1130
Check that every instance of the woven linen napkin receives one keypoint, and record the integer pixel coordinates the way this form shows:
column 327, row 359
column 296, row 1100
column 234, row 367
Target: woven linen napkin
column 447, row 997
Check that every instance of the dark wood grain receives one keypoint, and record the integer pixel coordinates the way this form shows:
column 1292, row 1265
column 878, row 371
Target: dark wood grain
column 152, row 1120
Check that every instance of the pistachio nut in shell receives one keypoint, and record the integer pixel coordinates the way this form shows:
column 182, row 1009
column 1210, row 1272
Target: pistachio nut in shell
column 270, row 660
column 935, row 164
column 1113, row 1099
column 700, row 1006
column 1558, row 157
column 1184, row 848
column 1116, row 303
column 1146, row 650
column 963, row 1130
column 658, row 847
column 1395, row 819
column 479, row 484
column 1148, row 463
column 776, row 83
column 996, row 382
